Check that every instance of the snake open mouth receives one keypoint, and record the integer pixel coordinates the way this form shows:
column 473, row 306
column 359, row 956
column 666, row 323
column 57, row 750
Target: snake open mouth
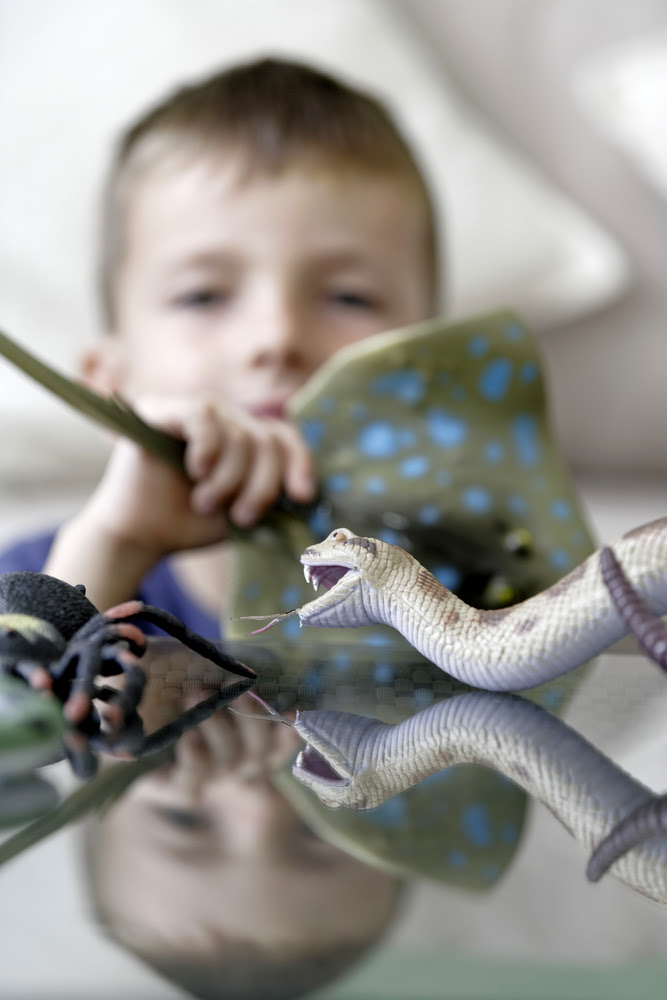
column 314, row 765
column 324, row 576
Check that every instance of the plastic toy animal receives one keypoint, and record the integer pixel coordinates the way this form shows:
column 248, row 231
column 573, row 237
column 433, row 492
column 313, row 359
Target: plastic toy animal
column 55, row 639
column 369, row 581
column 650, row 818
column 358, row 763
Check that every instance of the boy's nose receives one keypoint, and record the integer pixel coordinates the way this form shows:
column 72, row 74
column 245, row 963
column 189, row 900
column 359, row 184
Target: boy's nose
column 280, row 335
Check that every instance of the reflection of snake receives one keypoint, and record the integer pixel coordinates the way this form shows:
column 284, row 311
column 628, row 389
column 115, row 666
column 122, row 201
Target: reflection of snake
column 370, row 581
column 359, row 762
column 649, row 819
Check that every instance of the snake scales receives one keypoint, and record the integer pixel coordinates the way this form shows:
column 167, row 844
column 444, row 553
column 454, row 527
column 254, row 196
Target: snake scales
column 360, row 762
column 369, row 581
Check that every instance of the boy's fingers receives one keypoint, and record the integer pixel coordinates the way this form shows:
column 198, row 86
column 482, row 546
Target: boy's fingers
column 299, row 467
column 262, row 484
column 229, row 472
column 205, row 441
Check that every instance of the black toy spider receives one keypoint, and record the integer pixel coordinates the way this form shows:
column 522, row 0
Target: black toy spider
column 54, row 638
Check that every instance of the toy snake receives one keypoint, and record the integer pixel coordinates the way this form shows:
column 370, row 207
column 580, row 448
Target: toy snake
column 650, row 818
column 360, row 762
column 369, row 581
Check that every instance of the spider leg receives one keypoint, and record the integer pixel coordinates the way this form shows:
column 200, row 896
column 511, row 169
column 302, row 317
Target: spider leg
column 192, row 717
column 179, row 630
column 34, row 673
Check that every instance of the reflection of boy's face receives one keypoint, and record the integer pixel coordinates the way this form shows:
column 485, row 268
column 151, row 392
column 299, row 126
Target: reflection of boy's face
column 244, row 286
column 207, row 850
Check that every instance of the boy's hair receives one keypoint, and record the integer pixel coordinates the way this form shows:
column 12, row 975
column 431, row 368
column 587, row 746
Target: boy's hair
column 275, row 112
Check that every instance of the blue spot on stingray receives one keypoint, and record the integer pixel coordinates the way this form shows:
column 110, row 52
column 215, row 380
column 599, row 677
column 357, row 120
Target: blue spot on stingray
column 428, row 514
column 358, row 411
column 494, row 452
column 561, row 510
column 495, row 379
column 292, row 628
column 517, row 504
column 319, row 522
column 313, row 682
column 476, row 824
column 378, row 440
column 477, row 499
column 509, row 834
column 391, row 813
column 252, row 590
column 290, row 597
column 327, row 404
column 513, row 331
column 444, row 429
column 377, row 639
column 375, row 485
column 478, row 345
column 338, row 483
column 422, row 697
column 313, row 431
column 458, row 393
column 529, row 372
column 390, row 536
column 383, row 673
column 341, row 660
column 524, row 430
column 406, row 385
column 414, row 466
column 560, row 559
column 449, row 576
column 553, row 698
column 457, row 859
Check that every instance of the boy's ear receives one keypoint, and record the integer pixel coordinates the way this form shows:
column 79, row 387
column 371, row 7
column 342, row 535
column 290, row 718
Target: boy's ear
column 101, row 366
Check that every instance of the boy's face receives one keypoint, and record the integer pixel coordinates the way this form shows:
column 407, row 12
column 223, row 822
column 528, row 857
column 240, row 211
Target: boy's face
column 244, row 286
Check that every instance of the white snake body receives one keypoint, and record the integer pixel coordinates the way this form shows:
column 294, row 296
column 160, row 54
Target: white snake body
column 359, row 762
column 370, row 581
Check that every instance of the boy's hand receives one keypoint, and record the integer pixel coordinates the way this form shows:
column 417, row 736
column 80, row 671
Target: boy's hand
column 237, row 466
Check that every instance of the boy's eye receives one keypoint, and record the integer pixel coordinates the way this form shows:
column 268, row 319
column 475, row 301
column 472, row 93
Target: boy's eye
column 201, row 298
column 352, row 300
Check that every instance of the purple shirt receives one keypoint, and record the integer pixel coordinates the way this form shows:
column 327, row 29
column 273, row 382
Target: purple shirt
column 159, row 587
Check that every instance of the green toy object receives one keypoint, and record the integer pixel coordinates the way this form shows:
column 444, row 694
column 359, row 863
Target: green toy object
column 437, row 438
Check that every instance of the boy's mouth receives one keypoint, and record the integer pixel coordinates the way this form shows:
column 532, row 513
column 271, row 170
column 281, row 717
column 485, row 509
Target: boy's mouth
column 275, row 411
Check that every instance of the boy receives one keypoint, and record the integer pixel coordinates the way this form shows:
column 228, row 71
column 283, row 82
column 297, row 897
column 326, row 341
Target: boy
column 254, row 224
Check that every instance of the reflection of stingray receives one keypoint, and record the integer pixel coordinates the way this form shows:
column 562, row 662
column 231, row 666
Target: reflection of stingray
column 649, row 819
column 366, row 762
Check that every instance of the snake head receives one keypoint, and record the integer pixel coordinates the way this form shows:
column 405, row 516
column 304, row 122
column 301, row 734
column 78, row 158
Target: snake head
column 337, row 761
column 339, row 564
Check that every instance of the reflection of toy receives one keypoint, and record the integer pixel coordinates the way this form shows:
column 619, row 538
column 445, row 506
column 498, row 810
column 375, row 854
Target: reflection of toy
column 650, row 818
column 508, row 649
column 55, row 639
column 360, row 762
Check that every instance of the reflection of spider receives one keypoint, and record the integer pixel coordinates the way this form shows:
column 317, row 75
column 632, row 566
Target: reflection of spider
column 54, row 638
column 650, row 818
